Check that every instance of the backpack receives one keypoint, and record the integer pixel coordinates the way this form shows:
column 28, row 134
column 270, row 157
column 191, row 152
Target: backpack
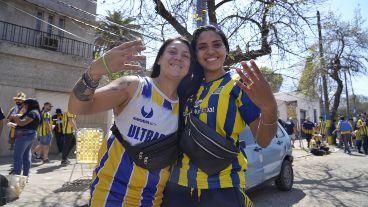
column 4, row 184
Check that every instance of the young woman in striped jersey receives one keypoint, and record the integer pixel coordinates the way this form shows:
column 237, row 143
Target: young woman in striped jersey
column 226, row 102
column 147, row 109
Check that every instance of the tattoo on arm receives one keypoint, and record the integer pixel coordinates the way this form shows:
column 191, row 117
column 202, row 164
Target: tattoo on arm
column 121, row 85
column 82, row 91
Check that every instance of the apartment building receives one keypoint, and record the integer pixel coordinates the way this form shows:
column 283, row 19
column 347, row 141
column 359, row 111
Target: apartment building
column 45, row 46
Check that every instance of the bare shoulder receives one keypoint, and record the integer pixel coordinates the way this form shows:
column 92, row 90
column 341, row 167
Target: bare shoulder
column 125, row 83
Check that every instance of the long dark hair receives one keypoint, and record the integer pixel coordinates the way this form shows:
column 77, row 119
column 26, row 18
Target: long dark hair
column 191, row 83
column 32, row 104
column 156, row 67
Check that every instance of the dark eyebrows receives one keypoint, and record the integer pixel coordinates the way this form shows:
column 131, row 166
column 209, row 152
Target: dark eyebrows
column 205, row 43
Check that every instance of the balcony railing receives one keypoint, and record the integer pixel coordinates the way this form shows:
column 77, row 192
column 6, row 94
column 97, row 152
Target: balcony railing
column 28, row 36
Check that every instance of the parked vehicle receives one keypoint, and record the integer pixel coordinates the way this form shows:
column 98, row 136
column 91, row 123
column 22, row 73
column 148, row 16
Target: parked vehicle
column 271, row 163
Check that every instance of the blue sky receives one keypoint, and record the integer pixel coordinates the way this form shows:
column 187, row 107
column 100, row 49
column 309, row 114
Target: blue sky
column 344, row 7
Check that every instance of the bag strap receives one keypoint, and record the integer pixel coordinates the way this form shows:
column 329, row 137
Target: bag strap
column 115, row 131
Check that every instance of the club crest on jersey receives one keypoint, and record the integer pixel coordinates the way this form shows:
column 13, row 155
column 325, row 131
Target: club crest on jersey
column 218, row 90
column 146, row 114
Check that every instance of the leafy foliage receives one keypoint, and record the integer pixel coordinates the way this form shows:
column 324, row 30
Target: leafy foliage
column 275, row 80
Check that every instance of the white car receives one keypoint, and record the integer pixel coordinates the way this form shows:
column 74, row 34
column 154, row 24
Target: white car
column 271, row 163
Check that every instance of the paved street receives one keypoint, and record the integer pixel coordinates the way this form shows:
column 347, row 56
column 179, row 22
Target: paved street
column 48, row 185
column 337, row 179
column 333, row 180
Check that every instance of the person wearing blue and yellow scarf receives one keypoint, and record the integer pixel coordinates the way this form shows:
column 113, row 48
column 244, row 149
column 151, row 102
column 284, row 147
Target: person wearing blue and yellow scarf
column 17, row 109
column 307, row 128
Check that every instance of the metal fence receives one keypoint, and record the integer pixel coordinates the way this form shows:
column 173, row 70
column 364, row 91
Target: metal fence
column 28, row 36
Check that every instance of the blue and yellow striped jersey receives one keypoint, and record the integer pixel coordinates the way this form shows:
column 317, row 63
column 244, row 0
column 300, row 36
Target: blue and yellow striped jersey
column 46, row 120
column 307, row 127
column 58, row 122
column 322, row 127
column 67, row 125
column 363, row 130
column 117, row 181
column 223, row 106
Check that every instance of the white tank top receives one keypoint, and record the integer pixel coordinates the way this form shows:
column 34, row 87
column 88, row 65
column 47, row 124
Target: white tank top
column 149, row 115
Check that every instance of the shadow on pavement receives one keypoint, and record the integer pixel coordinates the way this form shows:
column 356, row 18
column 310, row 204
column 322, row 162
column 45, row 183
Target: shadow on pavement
column 75, row 186
column 326, row 181
column 48, row 169
column 267, row 194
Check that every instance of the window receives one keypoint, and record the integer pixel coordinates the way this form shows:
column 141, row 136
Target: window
column 38, row 21
column 62, row 26
column 303, row 115
column 279, row 132
column 49, row 26
column 315, row 115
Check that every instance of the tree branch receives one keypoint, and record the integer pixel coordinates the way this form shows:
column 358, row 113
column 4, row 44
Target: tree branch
column 212, row 12
column 221, row 3
column 162, row 11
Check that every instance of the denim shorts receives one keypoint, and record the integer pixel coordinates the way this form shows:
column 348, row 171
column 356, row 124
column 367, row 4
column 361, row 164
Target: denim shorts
column 46, row 140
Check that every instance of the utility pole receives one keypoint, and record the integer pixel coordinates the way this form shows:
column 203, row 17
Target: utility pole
column 201, row 15
column 323, row 68
column 354, row 96
column 347, row 97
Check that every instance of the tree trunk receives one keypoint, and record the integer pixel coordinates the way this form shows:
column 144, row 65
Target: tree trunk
column 335, row 75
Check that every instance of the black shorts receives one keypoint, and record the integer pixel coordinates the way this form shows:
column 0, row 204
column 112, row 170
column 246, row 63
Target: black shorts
column 180, row 196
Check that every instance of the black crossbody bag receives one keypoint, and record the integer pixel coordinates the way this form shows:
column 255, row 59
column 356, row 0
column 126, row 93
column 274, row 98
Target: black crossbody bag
column 207, row 149
column 153, row 155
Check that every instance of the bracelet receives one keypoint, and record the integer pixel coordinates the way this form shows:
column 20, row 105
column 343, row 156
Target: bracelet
column 88, row 71
column 89, row 81
column 266, row 124
column 109, row 73
column 262, row 123
column 83, row 91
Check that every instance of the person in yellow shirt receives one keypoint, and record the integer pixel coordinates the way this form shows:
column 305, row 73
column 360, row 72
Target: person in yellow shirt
column 44, row 133
column 363, row 131
column 57, row 122
column 69, row 129
column 17, row 109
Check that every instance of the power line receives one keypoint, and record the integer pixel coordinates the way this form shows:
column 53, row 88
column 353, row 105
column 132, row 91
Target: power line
column 44, row 21
column 101, row 17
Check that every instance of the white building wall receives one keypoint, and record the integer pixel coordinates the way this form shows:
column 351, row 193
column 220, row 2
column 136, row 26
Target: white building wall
column 309, row 105
column 43, row 74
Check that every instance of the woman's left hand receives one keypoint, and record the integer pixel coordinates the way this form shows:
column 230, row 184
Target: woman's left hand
column 256, row 86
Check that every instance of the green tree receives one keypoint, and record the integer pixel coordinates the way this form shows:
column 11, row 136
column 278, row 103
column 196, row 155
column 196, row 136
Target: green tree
column 308, row 80
column 274, row 79
column 114, row 30
column 346, row 48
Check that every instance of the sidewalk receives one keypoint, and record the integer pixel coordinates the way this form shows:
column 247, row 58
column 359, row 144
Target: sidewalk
column 48, row 184
column 301, row 149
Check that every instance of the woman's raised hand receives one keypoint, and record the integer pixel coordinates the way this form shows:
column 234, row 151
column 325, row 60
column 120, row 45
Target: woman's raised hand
column 256, row 86
column 122, row 57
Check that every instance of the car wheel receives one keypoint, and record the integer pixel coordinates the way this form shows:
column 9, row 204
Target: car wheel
column 285, row 180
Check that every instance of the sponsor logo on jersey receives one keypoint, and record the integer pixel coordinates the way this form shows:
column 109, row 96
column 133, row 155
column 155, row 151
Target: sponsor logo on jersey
column 218, row 90
column 146, row 114
column 143, row 134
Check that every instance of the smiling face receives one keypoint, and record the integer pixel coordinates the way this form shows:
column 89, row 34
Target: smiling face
column 175, row 60
column 211, row 51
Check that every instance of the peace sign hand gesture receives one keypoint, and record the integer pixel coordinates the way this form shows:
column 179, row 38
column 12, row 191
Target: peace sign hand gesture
column 256, row 86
